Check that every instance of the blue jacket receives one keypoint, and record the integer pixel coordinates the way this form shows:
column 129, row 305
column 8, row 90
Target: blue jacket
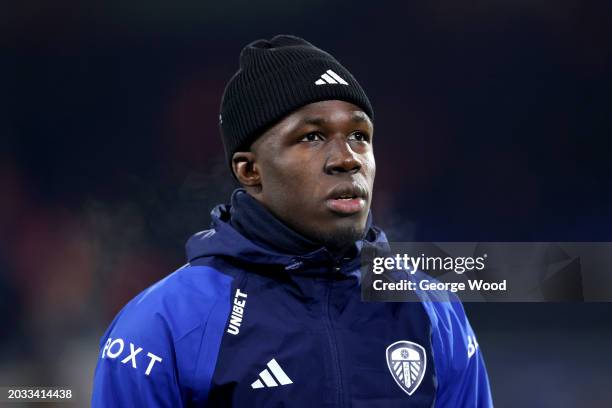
column 244, row 324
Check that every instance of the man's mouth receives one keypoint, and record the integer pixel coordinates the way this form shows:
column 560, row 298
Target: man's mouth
column 347, row 199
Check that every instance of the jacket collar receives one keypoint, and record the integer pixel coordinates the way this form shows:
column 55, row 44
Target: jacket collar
column 248, row 232
column 256, row 223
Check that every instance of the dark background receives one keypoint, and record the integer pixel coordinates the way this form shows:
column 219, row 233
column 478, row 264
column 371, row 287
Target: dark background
column 493, row 122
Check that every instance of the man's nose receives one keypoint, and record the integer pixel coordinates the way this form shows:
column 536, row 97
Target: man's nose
column 341, row 158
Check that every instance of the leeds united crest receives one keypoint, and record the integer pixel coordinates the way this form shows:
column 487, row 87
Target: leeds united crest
column 407, row 362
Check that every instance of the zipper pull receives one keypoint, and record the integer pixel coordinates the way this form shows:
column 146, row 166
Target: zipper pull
column 295, row 265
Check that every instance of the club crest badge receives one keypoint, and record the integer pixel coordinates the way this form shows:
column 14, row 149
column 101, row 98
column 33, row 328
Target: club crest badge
column 407, row 362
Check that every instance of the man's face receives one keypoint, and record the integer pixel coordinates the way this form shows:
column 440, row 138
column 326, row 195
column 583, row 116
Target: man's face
column 316, row 171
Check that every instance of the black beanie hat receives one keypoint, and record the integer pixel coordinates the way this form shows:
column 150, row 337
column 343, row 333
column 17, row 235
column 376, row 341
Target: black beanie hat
column 276, row 77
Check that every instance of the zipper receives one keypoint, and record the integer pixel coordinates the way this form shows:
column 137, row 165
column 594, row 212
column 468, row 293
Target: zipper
column 333, row 343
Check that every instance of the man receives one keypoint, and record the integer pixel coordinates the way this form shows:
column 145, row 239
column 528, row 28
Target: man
column 268, row 310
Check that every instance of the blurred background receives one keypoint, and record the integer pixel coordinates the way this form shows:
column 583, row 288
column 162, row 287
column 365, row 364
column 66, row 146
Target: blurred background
column 493, row 122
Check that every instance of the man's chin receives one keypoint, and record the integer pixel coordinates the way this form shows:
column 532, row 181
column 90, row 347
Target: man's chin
column 342, row 237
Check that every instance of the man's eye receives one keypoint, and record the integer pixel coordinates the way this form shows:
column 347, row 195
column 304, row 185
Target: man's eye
column 360, row 137
column 311, row 137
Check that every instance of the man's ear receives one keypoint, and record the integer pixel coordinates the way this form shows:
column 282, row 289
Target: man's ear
column 243, row 164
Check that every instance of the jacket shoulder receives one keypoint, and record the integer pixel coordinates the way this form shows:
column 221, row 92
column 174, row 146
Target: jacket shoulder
column 179, row 302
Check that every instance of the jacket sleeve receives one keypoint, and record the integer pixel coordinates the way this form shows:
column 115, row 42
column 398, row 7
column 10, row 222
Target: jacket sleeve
column 162, row 348
column 460, row 369
column 136, row 366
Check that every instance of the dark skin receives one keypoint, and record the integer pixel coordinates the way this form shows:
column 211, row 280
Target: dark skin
column 314, row 170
